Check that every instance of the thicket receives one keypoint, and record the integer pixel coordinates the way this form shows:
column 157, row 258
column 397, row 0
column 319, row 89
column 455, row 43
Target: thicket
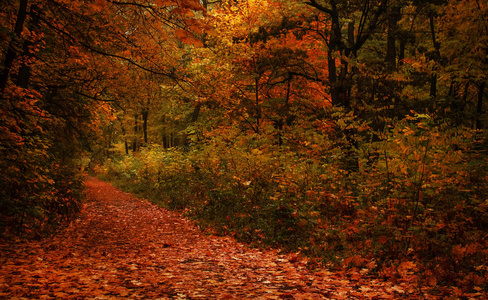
column 417, row 195
column 46, row 113
column 40, row 188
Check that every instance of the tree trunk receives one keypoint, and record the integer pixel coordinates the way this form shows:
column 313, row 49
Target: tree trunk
column 196, row 112
column 391, row 53
column 165, row 141
column 370, row 20
column 12, row 52
column 433, row 85
column 136, row 129
column 258, row 107
column 340, row 84
column 23, row 77
column 437, row 46
column 334, row 91
column 479, row 106
column 126, row 143
column 401, row 51
column 452, row 90
column 145, row 114
column 465, row 96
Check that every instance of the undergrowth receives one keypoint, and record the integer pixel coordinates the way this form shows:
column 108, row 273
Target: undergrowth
column 415, row 208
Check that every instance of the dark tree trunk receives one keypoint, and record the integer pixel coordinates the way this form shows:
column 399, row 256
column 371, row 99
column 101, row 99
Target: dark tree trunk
column 23, row 77
column 165, row 141
column 479, row 106
column 391, row 53
column 347, row 47
column 258, row 106
column 136, row 129
column 433, row 85
column 145, row 114
column 13, row 45
column 196, row 112
column 452, row 89
column 334, row 89
column 126, row 143
column 437, row 46
column 340, row 86
column 465, row 96
column 401, row 51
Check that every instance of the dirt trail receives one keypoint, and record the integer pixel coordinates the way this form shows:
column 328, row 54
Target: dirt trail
column 125, row 247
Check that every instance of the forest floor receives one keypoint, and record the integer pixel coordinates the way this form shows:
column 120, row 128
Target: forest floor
column 125, row 247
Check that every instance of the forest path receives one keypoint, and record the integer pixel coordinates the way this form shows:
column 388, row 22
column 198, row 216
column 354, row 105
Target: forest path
column 125, row 247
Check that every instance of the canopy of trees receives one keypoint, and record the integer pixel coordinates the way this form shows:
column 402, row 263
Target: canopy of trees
column 352, row 131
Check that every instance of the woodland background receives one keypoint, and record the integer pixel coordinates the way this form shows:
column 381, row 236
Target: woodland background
column 352, row 132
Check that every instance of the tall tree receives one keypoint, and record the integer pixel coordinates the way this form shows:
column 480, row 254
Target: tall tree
column 269, row 71
column 345, row 37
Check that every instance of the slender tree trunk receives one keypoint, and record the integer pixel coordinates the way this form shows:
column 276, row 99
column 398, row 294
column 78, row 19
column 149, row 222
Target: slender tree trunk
column 126, row 143
column 465, row 96
column 391, row 53
column 145, row 114
column 164, row 133
column 433, row 85
column 401, row 51
column 479, row 106
column 437, row 46
column 13, row 45
column 351, row 38
column 165, row 141
column 258, row 107
column 196, row 112
column 334, row 92
column 108, row 144
column 340, row 84
column 370, row 20
column 452, row 89
column 23, row 77
column 334, row 46
column 284, row 114
column 136, row 129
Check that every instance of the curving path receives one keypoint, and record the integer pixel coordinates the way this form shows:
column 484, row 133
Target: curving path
column 123, row 247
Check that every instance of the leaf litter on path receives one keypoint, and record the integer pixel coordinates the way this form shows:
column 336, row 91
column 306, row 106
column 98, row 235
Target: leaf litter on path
column 125, row 247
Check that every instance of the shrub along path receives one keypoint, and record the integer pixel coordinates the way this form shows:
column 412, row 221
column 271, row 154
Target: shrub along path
column 125, row 247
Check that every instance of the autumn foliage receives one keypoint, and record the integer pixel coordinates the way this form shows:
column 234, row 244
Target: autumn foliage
column 352, row 132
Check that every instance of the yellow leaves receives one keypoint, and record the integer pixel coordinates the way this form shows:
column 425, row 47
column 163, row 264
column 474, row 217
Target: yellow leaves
column 256, row 152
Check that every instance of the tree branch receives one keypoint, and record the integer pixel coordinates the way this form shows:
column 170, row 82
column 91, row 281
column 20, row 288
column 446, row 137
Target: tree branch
column 318, row 6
